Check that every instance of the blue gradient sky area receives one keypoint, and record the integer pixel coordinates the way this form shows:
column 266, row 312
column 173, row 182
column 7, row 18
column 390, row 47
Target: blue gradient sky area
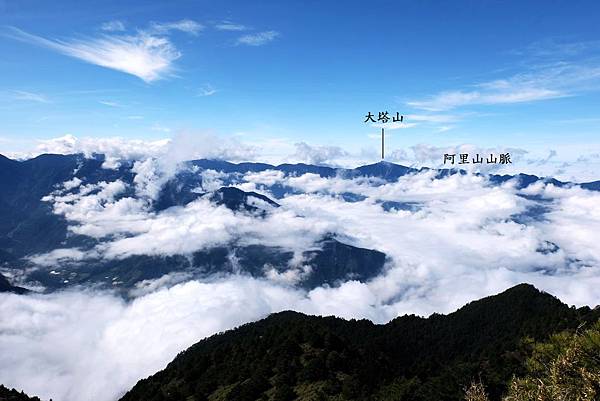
column 489, row 73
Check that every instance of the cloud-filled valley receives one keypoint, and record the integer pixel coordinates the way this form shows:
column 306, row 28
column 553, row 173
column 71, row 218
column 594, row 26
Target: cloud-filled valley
column 270, row 201
column 442, row 238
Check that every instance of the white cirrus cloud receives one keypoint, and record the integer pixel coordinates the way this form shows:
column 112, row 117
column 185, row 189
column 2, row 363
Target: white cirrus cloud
column 433, row 118
column 184, row 25
column 29, row 96
column 452, row 99
column 444, row 128
column 146, row 56
column 207, row 90
column 393, row 126
column 552, row 49
column 230, row 26
column 109, row 103
column 257, row 39
column 113, row 26
column 547, row 81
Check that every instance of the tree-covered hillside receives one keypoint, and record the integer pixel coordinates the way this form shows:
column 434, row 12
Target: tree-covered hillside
column 291, row 356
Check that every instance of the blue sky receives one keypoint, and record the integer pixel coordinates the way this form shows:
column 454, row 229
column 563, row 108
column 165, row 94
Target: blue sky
column 488, row 73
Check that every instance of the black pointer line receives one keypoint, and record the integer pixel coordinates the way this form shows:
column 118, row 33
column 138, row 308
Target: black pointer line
column 382, row 144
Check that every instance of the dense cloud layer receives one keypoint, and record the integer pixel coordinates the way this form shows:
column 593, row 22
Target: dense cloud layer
column 469, row 222
column 448, row 240
column 76, row 346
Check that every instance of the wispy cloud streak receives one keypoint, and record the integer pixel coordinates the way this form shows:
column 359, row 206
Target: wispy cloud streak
column 230, row 26
column 184, row 25
column 113, row 26
column 258, row 39
column 146, row 56
column 548, row 81
column 29, row 96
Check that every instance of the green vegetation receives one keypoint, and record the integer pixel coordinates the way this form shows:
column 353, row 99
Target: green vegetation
column 289, row 356
column 565, row 368
column 476, row 392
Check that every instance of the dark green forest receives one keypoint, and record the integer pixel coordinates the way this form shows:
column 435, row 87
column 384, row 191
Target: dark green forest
column 291, row 356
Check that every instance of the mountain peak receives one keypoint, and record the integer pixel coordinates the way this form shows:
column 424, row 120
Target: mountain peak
column 5, row 286
column 236, row 199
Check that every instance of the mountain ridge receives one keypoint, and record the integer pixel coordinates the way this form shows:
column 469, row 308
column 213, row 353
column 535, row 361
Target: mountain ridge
column 7, row 394
column 29, row 225
column 289, row 355
column 382, row 167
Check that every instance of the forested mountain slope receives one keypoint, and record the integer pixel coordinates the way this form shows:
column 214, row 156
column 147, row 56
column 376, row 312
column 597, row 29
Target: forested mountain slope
column 291, row 356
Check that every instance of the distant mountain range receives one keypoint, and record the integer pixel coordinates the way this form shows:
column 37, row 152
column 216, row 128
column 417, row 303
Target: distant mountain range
column 28, row 225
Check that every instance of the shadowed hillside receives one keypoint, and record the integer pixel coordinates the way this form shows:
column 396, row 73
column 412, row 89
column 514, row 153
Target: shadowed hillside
column 291, row 356
column 14, row 395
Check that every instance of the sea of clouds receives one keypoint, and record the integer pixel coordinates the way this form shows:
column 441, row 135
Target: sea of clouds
column 458, row 239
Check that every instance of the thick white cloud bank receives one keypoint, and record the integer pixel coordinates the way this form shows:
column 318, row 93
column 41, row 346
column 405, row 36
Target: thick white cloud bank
column 92, row 346
column 79, row 346
column 449, row 241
